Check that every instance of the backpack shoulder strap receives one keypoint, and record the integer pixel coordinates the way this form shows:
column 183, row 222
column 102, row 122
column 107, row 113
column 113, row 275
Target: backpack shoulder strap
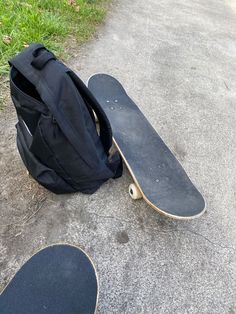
column 105, row 127
column 115, row 162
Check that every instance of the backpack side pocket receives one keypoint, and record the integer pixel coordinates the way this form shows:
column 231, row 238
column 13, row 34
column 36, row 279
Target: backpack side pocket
column 41, row 173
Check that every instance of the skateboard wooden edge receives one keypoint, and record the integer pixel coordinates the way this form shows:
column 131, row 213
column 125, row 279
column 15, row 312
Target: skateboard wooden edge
column 159, row 210
column 66, row 244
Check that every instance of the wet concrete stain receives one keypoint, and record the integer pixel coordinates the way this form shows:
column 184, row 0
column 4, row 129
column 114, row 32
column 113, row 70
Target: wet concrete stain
column 122, row 237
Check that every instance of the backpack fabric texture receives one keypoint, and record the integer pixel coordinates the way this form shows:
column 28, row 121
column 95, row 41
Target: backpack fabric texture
column 57, row 136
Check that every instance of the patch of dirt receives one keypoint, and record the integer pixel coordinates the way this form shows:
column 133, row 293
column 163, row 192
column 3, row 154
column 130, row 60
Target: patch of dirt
column 20, row 196
column 4, row 92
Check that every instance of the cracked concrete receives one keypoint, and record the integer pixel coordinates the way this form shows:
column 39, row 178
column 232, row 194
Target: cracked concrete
column 177, row 60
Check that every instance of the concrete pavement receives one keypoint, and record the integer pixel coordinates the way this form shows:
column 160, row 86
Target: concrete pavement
column 177, row 59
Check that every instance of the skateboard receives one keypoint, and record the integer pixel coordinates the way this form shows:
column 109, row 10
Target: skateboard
column 158, row 176
column 57, row 280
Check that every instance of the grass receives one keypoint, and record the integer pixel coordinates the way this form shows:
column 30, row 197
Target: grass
column 48, row 22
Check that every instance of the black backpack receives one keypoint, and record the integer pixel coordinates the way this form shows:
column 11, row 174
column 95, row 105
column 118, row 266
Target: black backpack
column 56, row 133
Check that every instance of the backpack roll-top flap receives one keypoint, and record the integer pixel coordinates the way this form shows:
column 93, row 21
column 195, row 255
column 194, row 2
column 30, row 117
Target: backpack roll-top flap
column 41, row 60
column 22, row 62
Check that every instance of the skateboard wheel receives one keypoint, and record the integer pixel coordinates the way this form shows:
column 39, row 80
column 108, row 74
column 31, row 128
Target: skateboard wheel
column 134, row 192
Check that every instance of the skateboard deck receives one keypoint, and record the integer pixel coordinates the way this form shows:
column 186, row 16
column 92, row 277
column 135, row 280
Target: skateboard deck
column 57, row 280
column 158, row 176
